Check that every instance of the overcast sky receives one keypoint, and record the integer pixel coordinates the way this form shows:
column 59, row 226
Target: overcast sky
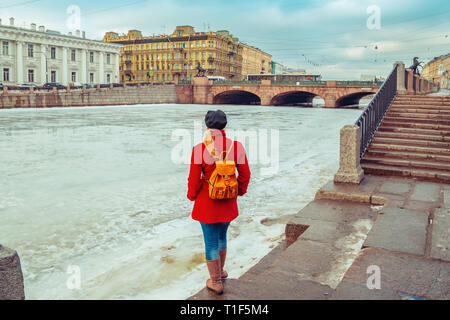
column 328, row 37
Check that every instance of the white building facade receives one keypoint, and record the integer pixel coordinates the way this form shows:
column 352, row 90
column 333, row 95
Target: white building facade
column 38, row 56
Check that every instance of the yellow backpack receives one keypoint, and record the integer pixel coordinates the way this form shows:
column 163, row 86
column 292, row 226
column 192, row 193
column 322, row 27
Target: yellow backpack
column 223, row 182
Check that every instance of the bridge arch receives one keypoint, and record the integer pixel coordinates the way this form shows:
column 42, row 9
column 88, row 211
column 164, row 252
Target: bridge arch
column 290, row 98
column 239, row 97
column 353, row 98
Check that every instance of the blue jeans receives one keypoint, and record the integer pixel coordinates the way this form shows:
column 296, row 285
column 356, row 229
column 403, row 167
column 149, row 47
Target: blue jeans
column 215, row 236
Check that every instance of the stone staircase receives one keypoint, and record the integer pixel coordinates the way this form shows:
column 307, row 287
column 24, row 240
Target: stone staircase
column 413, row 140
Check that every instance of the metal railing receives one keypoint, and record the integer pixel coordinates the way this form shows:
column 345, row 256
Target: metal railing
column 375, row 112
column 353, row 83
column 300, row 83
column 243, row 82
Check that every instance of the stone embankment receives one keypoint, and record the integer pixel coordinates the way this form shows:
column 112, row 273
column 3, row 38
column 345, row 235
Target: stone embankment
column 397, row 225
column 11, row 277
column 99, row 96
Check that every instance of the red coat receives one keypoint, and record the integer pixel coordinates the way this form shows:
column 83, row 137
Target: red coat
column 207, row 210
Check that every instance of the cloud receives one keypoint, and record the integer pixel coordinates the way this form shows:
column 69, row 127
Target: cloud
column 321, row 36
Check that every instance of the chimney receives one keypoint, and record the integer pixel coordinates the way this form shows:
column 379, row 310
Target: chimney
column 33, row 26
column 11, row 21
column 41, row 29
column 0, row 22
column 70, row 33
column 77, row 33
column 83, row 34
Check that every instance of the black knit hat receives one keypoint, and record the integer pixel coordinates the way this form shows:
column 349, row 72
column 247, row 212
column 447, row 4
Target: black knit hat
column 216, row 120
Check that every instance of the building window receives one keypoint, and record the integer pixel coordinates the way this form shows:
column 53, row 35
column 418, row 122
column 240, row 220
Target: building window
column 5, row 48
column 108, row 58
column 91, row 77
column 30, row 75
column 53, row 76
column 168, row 46
column 108, row 78
column 30, row 51
column 73, row 55
column 91, row 57
column 6, row 74
column 74, row 76
column 163, row 77
column 52, row 53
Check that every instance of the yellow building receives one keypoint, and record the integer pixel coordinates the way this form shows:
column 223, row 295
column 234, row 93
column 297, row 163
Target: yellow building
column 171, row 58
column 437, row 70
column 255, row 61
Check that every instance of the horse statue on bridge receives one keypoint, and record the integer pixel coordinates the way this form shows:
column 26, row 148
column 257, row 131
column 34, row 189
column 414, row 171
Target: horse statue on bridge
column 415, row 66
column 201, row 72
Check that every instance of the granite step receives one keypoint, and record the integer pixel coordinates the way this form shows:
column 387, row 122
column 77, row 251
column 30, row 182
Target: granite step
column 416, row 164
column 413, row 124
column 408, row 109
column 420, row 174
column 424, row 115
column 393, row 118
column 403, row 148
column 407, row 155
column 412, row 136
column 428, row 132
column 411, row 142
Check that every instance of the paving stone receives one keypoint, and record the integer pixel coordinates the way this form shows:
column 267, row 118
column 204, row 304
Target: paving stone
column 440, row 239
column 395, row 188
column 399, row 230
column 308, row 259
column 400, row 273
column 334, row 211
column 327, row 232
column 425, row 207
column 269, row 286
column 358, row 291
column 446, row 198
column 426, row 191
column 265, row 262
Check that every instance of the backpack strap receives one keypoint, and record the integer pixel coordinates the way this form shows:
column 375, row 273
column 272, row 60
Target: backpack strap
column 228, row 153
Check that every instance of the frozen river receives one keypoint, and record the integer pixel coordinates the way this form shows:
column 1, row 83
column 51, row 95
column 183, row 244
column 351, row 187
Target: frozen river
column 95, row 190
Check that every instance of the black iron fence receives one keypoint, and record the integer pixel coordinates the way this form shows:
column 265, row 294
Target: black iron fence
column 374, row 114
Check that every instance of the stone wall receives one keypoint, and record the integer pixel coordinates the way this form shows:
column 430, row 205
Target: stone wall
column 90, row 97
column 11, row 277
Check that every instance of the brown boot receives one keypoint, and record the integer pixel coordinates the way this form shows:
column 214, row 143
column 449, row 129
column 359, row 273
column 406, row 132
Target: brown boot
column 223, row 257
column 215, row 283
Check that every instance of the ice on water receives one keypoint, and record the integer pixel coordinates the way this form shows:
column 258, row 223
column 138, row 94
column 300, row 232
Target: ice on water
column 96, row 188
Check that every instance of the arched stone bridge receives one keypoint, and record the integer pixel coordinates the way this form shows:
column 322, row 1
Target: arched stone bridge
column 267, row 94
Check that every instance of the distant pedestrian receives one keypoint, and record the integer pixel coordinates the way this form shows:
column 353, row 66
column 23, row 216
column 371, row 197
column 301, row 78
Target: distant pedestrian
column 214, row 187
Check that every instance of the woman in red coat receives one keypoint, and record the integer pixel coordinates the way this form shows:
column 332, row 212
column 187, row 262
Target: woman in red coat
column 215, row 216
